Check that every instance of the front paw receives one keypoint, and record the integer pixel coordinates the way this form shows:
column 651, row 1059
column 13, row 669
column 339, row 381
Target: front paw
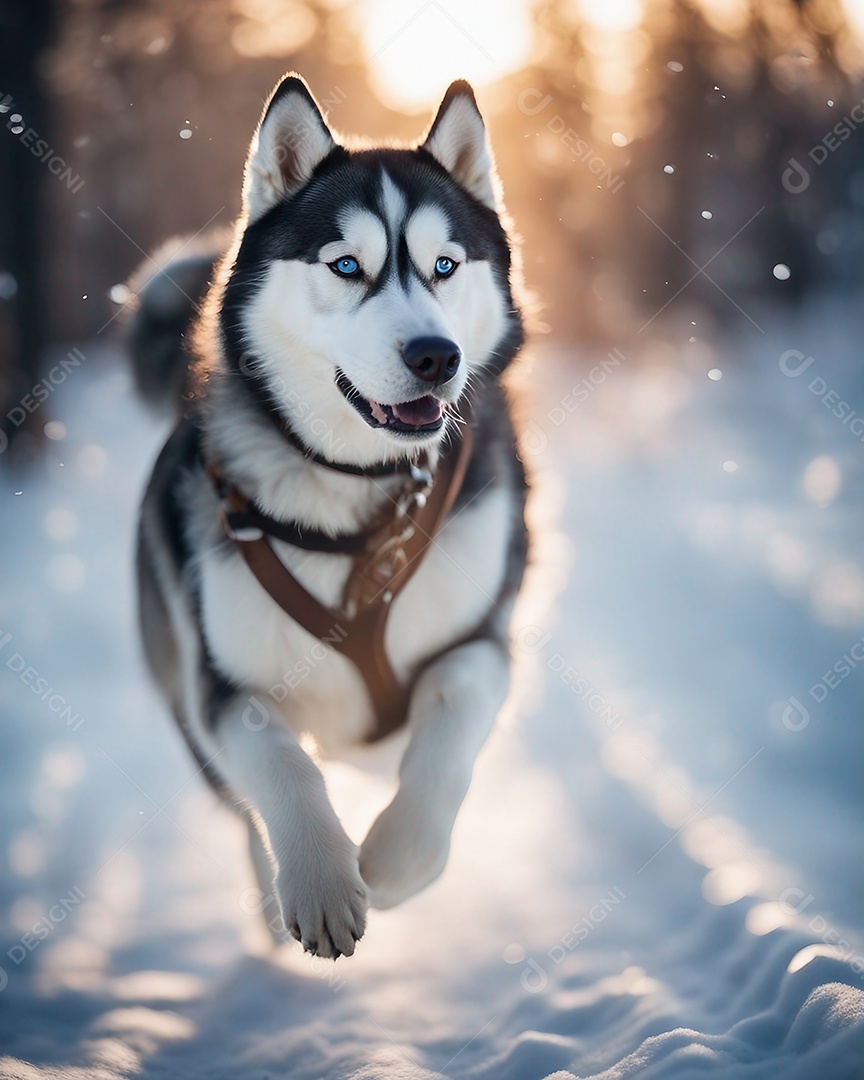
column 405, row 851
column 324, row 900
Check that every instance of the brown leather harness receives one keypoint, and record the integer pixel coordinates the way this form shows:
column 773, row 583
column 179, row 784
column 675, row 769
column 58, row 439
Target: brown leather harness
column 386, row 557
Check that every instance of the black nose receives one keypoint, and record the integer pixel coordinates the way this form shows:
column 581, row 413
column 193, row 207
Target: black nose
column 432, row 359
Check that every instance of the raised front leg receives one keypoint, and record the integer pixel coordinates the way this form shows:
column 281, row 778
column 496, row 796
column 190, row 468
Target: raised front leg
column 452, row 711
column 316, row 879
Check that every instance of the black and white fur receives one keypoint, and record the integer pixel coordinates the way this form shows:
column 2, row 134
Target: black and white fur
column 280, row 327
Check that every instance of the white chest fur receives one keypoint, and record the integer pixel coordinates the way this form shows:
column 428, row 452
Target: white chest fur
column 319, row 691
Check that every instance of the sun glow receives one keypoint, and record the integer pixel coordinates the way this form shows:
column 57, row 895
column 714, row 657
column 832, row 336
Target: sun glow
column 611, row 15
column 414, row 51
column 855, row 15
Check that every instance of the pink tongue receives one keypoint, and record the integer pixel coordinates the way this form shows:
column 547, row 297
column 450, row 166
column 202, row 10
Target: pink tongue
column 426, row 410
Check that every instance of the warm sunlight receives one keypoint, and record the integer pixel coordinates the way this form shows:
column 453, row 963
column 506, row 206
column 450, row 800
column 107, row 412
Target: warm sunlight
column 612, row 14
column 855, row 15
column 412, row 54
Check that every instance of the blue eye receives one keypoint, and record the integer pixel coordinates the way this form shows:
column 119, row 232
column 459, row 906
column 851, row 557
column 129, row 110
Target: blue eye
column 346, row 267
column 444, row 267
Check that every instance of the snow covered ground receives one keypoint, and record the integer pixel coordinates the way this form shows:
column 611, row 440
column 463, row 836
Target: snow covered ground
column 657, row 872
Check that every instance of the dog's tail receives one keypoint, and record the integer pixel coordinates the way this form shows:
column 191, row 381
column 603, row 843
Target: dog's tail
column 168, row 289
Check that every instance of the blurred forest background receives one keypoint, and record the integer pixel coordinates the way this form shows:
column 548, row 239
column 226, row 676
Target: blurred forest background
column 637, row 141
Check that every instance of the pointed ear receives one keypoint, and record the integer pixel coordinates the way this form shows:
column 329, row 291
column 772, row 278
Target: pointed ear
column 291, row 141
column 457, row 140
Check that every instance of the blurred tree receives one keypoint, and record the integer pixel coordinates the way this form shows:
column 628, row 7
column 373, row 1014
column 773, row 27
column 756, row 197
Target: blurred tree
column 734, row 110
column 544, row 154
column 708, row 118
column 26, row 29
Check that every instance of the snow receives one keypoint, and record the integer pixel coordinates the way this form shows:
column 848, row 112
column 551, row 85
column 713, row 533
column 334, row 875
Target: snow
column 656, row 871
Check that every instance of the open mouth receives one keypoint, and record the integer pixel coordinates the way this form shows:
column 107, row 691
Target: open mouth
column 423, row 416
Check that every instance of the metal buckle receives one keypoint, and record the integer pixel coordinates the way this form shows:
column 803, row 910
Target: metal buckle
column 421, row 476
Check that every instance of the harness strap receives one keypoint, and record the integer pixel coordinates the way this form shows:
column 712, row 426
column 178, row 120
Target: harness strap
column 392, row 557
column 242, row 517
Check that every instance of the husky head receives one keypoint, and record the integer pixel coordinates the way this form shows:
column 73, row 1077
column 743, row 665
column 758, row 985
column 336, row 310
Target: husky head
column 371, row 287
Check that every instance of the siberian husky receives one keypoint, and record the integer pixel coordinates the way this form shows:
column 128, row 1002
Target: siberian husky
column 333, row 536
